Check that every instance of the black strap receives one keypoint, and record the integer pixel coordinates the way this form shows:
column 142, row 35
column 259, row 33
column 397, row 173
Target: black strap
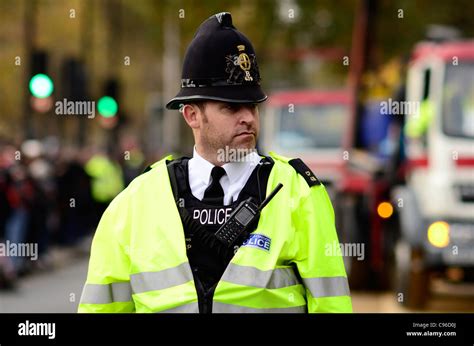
column 171, row 165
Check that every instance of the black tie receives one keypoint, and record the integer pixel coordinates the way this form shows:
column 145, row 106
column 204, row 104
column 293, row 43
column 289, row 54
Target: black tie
column 214, row 194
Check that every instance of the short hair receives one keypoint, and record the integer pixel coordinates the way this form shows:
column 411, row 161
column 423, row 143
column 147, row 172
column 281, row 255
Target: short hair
column 201, row 105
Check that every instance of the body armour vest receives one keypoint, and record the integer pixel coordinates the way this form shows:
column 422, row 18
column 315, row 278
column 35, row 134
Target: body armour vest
column 206, row 265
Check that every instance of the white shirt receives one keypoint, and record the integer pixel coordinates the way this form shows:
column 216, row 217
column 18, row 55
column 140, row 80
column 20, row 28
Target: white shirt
column 237, row 174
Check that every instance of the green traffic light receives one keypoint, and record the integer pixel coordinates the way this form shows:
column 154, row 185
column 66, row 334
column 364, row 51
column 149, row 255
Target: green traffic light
column 107, row 106
column 41, row 86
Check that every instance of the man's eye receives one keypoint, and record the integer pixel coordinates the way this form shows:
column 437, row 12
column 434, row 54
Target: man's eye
column 232, row 108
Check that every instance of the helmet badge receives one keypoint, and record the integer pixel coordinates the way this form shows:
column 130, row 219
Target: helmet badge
column 243, row 61
column 242, row 67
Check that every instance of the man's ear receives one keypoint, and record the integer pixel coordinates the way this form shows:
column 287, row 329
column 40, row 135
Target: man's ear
column 190, row 114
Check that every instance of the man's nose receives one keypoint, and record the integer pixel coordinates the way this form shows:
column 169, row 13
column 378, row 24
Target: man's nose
column 247, row 114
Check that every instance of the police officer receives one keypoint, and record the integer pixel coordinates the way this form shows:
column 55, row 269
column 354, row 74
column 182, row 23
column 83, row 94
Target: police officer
column 156, row 248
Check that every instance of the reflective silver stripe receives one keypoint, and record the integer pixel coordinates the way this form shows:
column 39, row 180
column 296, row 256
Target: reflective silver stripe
column 327, row 286
column 151, row 281
column 251, row 276
column 188, row 308
column 106, row 294
column 229, row 308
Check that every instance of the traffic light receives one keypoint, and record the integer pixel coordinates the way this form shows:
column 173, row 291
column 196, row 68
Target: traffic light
column 108, row 105
column 73, row 80
column 40, row 85
column 74, row 88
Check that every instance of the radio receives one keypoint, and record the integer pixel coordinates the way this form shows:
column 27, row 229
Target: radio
column 241, row 218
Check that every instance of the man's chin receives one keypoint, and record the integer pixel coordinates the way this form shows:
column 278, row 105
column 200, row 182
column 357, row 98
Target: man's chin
column 236, row 151
column 246, row 141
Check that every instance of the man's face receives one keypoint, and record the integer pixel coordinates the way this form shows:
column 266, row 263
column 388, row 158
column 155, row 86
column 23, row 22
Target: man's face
column 228, row 124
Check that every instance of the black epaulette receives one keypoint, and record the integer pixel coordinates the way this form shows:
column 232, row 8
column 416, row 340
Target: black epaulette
column 304, row 170
column 150, row 167
column 147, row 169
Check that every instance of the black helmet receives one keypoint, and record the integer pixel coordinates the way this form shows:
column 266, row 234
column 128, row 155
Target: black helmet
column 220, row 64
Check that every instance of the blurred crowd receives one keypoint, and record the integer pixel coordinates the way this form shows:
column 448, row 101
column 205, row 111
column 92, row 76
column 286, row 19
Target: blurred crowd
column 53, row 196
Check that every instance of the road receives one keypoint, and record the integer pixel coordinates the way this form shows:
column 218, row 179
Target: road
column 60, row 291
column 56, row 291
column 444, row 298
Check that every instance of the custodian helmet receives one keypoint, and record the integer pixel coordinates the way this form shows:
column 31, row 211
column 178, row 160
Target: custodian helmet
column 220, row 64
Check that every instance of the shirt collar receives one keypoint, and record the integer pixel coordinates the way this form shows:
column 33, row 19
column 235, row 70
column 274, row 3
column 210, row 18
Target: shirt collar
column 203, row 167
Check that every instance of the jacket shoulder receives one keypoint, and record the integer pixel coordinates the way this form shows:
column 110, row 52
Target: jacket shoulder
column 158, row 163
column 300, row 167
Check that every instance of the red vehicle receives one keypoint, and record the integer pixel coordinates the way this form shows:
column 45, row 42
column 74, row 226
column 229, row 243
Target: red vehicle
column 308, row 124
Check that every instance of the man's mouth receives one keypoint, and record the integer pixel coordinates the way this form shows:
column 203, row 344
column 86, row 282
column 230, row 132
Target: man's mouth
column 246, row 133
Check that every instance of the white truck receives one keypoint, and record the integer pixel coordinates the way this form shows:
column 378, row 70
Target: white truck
column 436, row 204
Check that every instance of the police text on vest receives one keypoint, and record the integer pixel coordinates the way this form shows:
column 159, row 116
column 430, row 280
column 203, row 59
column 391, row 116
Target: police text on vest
column 212, row 216
column 37, row 329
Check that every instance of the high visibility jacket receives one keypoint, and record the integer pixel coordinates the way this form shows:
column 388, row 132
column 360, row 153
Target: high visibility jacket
column 138, row 259
column 107, row 180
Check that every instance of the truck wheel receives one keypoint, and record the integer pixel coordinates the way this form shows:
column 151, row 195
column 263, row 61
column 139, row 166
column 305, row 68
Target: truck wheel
column 412, row 276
